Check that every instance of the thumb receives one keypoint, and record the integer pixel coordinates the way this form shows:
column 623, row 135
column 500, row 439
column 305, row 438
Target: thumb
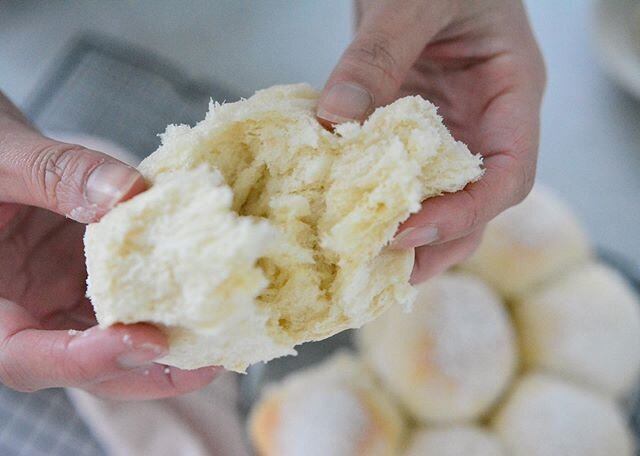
column 32, row 358
column 69, row 179
column 371, row 70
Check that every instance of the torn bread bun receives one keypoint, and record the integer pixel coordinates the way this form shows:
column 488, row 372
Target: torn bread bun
column 262, row 230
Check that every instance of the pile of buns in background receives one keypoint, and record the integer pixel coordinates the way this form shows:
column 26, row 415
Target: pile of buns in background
column 529, row 348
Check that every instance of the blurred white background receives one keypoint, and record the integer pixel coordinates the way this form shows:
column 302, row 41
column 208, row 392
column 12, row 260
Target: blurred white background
column 590, row 148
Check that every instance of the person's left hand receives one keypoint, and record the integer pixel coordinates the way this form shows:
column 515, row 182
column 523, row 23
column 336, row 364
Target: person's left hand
column 479, row 63
column 42, row 274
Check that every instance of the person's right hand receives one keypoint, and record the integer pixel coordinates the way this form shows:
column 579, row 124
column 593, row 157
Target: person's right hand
column 46, row 188
column 479, row 63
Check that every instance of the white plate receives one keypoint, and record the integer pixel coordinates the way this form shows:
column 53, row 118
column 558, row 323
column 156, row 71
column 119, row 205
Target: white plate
column 617, row 36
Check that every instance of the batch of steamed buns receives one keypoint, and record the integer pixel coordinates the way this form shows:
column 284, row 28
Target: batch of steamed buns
column 262, row 230
column 529, row 348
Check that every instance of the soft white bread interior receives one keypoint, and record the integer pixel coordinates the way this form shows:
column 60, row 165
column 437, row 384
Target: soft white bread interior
column 197, row 251
column 262, row 230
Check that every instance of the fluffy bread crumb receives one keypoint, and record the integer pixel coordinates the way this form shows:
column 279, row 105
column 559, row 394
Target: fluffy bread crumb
column 286, row 244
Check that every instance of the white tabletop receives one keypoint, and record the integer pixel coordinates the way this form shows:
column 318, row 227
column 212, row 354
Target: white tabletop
column 590, row 140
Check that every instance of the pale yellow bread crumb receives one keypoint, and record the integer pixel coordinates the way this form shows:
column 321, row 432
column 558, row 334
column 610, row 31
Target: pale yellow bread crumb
column 212, row 253
column 529, row 244
column 335, row 408
column 460, row 440
column 450, row 358
column 584, row 326
column 546, row 416
column 317, row 209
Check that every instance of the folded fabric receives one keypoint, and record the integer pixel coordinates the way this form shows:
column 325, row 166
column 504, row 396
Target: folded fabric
column 202, row 423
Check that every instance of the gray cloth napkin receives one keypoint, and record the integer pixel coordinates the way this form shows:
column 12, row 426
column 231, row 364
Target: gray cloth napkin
column 110, row 90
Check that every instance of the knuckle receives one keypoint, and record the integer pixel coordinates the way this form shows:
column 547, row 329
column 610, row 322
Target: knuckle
column 58, row 171
column 543, row 75
column 540, row 71
column 522, row 178
column 374, row 53
column 13, row 375
column 517, row 173
column 472, row 216
column 526, row 181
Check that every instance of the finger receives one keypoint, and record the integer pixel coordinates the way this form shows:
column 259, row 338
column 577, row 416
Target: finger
column 507, row 135
column 506, row 182
column 65, row 178
column 432, row 260
column 154, row 382
column 371, row 70
column 32, row 359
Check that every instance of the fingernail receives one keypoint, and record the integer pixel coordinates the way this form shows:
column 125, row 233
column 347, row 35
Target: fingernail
column 108, row 183
column 141, row 356
column 345, row 102
column 415, row 236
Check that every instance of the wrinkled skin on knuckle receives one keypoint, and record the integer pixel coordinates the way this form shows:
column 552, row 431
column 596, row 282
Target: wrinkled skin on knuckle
column 540, row 70
column 13, row 375
column 520, row 177
column 472, row 216
column 526, row 179
column 372, row 53
column 58, row 173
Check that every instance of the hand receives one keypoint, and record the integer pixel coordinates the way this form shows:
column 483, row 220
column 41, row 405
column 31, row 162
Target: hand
column 42, row 274
column 477, row 61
